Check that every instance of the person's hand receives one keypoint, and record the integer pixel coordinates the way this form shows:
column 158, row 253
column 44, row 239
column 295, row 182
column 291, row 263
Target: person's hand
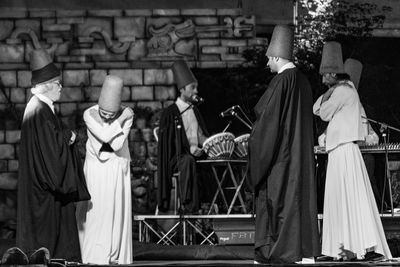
column 196, row 151
column 126, row 114
column 73, row 138
column 322, row 140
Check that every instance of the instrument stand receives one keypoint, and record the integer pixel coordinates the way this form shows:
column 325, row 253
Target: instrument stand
column 384, row 129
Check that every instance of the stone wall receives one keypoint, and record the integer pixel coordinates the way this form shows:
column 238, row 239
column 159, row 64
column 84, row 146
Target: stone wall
column 137, row 45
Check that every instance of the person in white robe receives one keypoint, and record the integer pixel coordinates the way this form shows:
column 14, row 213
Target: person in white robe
column 352, row 228
column 105, row 222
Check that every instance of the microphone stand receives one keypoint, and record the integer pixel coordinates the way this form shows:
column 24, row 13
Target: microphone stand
column 384, row 129
column 240, row 119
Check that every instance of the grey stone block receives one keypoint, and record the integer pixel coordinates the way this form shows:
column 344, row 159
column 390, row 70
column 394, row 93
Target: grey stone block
column 71, row 94
column 112, row 65
column 71, row 20
column 57, row 27
column 199, row 12
column 142, row 93
column 3, row 98
column 229, row 12
column 75, row 77
column 146, row 64
column 92, row 93
column 105, row 13
column 24, row 78
column 126, row 94
column 166, row 12
column 138, row 12
column 205, row 20
column 2, row 136
column 163, row 93
column 8, row 180
column 68, row 109
column 9, row 12
column 13, row 136
column 6, row 28
column 8, row 78
column 3, row 165
column 7, row 151
column 158, row 76
column 71, row 13
column 130, row 77
column 13, row 165
column 42, row 13
column 11, row 53
column 133, row 26
column 97, row 77
column 18, row 95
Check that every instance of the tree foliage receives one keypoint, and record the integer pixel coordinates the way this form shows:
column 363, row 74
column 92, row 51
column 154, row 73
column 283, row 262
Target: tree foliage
column 325, row 20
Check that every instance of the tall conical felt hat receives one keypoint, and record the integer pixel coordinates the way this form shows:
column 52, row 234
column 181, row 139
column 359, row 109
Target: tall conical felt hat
column 353, row 68
column 110, row 95
column 332, row 59
column 42, row 67
column 182, row 74
column 281, row 44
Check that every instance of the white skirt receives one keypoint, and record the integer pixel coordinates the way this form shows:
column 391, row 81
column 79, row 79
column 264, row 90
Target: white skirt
column 105, row 222
column 351, row 221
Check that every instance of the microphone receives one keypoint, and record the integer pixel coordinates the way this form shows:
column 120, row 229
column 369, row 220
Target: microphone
column 197, row 99
column 229, row 112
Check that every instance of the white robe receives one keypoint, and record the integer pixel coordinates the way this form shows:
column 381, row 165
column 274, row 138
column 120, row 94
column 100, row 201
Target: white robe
column 105, row 222
column 351, row 223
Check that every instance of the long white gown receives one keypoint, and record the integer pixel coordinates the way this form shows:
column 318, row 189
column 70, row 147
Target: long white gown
column 105, row 222
column 351, row 222
column 351, row 225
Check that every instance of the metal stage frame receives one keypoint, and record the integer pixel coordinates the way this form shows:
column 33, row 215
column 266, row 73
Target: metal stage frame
column 183, row 228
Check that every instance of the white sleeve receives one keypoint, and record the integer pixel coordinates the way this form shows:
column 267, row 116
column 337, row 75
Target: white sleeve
column 117, row 143
column 317, row 105
column 104, row 132
column 335, row 102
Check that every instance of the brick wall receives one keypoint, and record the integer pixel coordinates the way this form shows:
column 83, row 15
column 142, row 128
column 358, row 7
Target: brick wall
column 137, row 45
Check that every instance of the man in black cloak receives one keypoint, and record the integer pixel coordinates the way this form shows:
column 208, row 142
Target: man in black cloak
column 282, row 161
column 181, row 134
column 50, row 174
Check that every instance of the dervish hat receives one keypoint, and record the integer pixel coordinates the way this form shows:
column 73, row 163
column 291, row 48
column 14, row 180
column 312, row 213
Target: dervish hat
column 182, row 74
column 353, row 68
column 332, row 59
column 42, row 67
column 111, row 92
column 281, row 44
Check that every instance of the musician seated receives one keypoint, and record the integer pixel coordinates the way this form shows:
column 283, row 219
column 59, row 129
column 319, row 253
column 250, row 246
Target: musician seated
column 181, row 135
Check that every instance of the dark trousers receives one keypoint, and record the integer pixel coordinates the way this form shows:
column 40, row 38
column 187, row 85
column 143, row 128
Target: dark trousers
column 188, row 183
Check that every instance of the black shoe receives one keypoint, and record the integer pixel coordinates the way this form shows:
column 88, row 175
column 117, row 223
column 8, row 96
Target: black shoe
column 373, row 256
column 14, row 256
column 324, row 258
column 40, row 256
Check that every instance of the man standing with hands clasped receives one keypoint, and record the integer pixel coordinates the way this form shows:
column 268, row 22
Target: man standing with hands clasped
column 282, row 161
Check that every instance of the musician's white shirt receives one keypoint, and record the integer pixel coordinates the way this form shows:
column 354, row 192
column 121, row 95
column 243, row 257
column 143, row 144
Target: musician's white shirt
column 190, row 124
column 343, row 111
